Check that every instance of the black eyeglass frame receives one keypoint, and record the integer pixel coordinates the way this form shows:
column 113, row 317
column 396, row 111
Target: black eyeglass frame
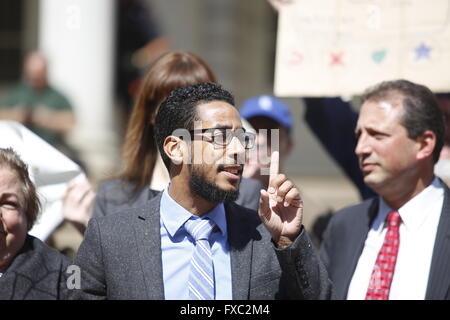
column 229, row 135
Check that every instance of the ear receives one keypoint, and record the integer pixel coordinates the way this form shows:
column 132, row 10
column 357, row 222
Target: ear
column 426, row 144
column 174, row 149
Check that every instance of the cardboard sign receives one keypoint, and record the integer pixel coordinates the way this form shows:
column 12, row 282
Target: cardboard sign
column 341, row 47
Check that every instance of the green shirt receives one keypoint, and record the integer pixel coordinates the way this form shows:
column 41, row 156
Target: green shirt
column 24, row 96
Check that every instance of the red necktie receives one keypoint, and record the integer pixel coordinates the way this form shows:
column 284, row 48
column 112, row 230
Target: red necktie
column 383, row 271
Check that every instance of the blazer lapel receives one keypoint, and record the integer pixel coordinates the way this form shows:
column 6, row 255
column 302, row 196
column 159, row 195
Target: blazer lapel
column 439, row 278
column 240, row 239
column 360, row 229
column 148, row 240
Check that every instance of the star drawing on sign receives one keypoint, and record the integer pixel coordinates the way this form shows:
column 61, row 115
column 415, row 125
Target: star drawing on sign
column 422, row 51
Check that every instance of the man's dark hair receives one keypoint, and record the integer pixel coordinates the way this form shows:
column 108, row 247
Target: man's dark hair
column 178, row 111
column 421, row 109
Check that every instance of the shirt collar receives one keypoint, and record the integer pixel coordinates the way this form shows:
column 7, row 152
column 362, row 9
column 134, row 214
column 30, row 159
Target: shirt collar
column 174, row 215
column 413, row 213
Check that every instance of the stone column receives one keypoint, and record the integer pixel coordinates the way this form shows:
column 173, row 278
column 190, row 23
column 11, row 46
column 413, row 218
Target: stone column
column 77, row 36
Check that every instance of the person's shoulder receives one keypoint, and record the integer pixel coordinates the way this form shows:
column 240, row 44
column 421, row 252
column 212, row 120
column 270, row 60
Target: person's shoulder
column 349, row 213
column 52, row 258
column 20, row 87
column 242, row 214
column 55, row 92
column 122, row 193
column 251, row 183
column 116, row 190
column 115, row 184
column 61, row 101
column 124, row 214
column 249, row 193
column 244, row 225
column 16, row 94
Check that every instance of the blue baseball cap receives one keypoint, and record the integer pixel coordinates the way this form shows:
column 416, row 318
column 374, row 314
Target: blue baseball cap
column 267, row 106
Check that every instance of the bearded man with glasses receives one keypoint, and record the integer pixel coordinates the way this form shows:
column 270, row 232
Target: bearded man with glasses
column 192, row 241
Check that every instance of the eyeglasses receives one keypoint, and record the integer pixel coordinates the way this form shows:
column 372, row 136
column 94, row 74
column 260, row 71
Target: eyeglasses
column 222, row 137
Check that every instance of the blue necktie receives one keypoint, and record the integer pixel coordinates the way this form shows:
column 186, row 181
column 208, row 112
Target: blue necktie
column 201, row 276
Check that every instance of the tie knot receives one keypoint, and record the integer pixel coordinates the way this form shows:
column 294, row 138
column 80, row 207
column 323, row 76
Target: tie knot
column 199, row 228
column 394, row 219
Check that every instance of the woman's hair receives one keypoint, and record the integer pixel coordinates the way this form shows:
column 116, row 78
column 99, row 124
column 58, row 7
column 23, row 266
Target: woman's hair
column 170, row 71
column 31, row 206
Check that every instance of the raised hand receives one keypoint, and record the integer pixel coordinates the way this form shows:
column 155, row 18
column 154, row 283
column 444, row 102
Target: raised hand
column 281, row 207
column 77, row 203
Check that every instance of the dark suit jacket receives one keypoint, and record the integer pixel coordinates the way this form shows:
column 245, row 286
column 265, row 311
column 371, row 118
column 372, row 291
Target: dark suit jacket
column 344, row 242
column 120, row 258
column 36, row 273
column 117, row 195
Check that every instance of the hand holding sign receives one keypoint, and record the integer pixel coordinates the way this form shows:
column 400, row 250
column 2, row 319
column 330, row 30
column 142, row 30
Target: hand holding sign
column 281, row 207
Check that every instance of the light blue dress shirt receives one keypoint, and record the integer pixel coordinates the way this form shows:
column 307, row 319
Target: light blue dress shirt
column 177, row 247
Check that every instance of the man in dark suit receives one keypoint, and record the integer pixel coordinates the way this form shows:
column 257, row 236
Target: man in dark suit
column 153, row 252
column 395, row 246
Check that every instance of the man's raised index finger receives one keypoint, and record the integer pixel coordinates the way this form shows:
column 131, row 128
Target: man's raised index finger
column 274, row 165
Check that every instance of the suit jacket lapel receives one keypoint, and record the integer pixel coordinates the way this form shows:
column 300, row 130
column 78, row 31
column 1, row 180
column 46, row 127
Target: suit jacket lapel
column 439, row 278
column 240, row 238
column 360, row 229
column 148, row 240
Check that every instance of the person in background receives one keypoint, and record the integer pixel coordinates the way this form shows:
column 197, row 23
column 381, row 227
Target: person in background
column 369, row 249
column 139, row 42
column 28, row 268
column 39, row 106
column 143, row 172
column 333, row 121
column 272, row 120
column 192, row 241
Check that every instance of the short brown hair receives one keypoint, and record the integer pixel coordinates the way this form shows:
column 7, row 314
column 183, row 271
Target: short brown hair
column 421, row 110
column 32, row 206
column 170, row 71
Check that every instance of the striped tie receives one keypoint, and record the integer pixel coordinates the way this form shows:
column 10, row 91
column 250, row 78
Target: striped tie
column 201, row 277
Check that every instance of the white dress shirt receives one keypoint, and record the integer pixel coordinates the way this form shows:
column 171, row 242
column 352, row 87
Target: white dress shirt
column 420, row 219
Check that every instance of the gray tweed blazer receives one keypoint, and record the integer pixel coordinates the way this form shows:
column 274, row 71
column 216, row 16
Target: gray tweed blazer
column 36, row 273
column 120, row 258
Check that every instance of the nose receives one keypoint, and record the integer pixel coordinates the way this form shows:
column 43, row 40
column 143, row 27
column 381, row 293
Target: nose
column 362, row 145
column 236, row 149
column 237, row 146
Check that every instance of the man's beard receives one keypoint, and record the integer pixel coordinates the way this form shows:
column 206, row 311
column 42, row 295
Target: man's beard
column 209, row 191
